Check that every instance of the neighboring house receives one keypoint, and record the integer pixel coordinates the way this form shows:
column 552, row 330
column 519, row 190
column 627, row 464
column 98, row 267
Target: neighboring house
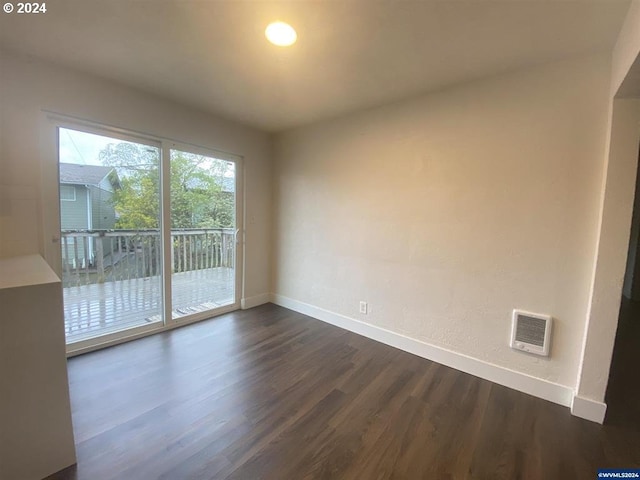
column 86, row 204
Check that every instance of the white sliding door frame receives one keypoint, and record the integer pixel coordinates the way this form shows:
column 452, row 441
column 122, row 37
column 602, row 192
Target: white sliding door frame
column 167, row 146
column 50, row 219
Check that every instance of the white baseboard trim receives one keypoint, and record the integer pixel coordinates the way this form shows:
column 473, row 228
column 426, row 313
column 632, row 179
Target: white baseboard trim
column 588, row 409
column 254, row 301
column 537, row 387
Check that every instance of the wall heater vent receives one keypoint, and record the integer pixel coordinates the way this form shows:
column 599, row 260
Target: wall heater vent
column 531, row 332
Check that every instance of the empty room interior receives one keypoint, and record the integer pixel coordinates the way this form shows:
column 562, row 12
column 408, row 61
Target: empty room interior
column 315, row 239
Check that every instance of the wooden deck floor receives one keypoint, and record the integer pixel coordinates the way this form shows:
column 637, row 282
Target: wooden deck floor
column 98, row 309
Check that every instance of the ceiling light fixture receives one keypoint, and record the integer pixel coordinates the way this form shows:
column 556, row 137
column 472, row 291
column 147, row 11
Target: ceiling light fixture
column 281, row 34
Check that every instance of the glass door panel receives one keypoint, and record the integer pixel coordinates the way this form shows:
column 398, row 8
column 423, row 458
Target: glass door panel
column 203, row 233
column 110, row 235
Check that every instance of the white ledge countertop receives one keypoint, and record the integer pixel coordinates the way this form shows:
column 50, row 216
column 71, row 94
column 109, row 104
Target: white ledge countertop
column 25, row 271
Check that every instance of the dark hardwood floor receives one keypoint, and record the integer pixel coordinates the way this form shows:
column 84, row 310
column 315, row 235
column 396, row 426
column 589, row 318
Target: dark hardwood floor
column 271, row 394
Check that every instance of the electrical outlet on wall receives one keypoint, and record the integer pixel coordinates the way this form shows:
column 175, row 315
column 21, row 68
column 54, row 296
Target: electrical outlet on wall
column 363, row 308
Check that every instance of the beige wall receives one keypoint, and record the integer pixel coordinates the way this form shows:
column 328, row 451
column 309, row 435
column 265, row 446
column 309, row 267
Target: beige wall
column 612, row 249
column 616, row 205
column 447, row 211
column 28, row 87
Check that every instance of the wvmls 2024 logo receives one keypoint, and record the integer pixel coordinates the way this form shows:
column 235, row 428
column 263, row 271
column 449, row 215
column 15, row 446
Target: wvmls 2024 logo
column 619, row 473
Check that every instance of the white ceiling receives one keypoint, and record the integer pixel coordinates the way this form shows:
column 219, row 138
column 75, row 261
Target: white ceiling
column 349, row 55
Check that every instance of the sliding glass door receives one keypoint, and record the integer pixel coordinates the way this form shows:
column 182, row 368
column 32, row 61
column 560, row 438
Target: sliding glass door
column 148, row 235
column 203, row 233
column 109, row 234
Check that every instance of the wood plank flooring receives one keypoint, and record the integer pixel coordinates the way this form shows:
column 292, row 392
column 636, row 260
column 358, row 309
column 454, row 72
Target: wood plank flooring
column 268, row 393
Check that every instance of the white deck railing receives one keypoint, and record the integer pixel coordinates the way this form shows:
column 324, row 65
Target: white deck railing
column 98, row 256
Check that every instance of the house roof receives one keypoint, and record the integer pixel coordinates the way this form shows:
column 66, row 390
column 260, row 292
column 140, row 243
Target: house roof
column 83, row 174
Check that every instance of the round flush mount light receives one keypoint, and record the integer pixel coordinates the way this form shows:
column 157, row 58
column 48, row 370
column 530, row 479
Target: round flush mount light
column 281, row 34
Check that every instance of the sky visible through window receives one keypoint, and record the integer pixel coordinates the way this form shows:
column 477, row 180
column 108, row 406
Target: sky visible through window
column 82, row 148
